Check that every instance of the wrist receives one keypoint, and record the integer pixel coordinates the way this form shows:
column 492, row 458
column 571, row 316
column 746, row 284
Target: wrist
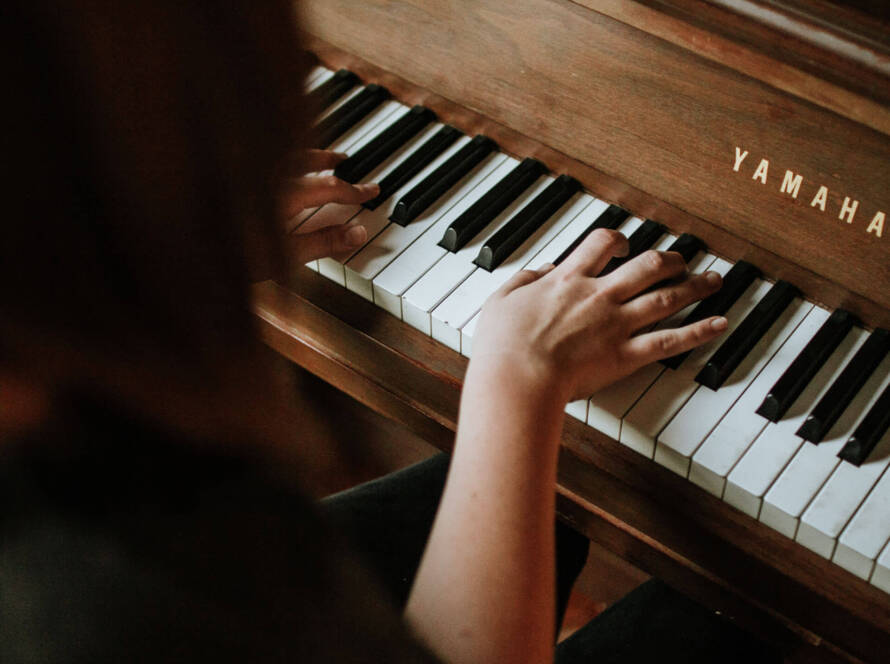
column 521, row 378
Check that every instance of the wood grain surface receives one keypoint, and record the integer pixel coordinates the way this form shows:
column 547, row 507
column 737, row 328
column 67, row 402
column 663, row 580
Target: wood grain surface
column 639, row 510
column 645, row 102
column 647, row 113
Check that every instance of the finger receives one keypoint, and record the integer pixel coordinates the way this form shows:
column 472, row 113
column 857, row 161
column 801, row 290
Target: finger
column 657, row 305
column 518, row 280
column 315, row 161
column 660, row 344
column 591, row 256
column 638, row 274
column 328, row 241
column 311, row 191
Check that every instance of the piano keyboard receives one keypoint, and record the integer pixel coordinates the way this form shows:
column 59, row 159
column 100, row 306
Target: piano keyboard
column 786, row 417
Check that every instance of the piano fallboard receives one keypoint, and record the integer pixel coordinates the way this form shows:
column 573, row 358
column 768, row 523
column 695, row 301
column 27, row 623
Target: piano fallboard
column 610, row 95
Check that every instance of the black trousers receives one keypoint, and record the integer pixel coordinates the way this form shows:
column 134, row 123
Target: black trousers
column 389, row 521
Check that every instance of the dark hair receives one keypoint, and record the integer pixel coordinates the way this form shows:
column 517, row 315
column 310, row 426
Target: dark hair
column 145, row 138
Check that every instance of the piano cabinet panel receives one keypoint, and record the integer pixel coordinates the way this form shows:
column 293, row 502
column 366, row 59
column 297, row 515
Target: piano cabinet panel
column 647, row 113
column 655, row 519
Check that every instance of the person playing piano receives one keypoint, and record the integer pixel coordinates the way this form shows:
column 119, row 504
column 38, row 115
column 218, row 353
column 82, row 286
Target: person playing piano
column 151, row 467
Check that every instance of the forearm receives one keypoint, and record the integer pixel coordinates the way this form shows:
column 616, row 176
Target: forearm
column 485, row 588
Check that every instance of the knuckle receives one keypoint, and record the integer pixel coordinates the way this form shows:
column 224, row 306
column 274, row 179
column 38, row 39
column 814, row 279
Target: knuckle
column 654, row 260
column 667, row 343
column 667, row 299
column 702, row 331
column 332, row 181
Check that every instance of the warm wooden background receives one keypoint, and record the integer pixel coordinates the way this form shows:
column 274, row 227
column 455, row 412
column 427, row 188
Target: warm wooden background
column 646, row 112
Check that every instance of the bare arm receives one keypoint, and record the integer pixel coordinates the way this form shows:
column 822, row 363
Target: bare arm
column 485, row 589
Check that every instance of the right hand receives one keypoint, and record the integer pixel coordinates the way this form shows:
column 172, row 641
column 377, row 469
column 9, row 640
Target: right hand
column 566, row 330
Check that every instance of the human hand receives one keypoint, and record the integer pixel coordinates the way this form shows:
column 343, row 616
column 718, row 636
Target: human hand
column 574, row 333
column 308, row 191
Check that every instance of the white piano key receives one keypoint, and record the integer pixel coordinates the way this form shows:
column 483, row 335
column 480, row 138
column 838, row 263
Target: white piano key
column 608, row 406
column 805, row 474
column 881, row 576
column 362, row 268
column 339, row 213
column 838, row 500
column 352, row 141
column 452, row 268
column 765, row 459
column 700, row 415
column 317, row 75
column 867, row 533
column 567, row 235
column 577, row 409
column 726, row 444
column 645, row 420
column 459, row 308
column 337, row 104
column 392, row 283
column 377, row 220
column 466, row 336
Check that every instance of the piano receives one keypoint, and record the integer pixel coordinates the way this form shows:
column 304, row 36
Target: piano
column 753, row 136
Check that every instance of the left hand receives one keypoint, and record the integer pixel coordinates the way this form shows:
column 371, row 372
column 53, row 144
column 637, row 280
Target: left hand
column 309, row 191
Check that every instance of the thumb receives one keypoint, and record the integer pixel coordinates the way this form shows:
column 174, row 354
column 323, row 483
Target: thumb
column 327, row 241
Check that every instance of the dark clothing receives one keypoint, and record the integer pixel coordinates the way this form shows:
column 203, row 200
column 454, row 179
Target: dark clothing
column 121, row 543
column 389, row 520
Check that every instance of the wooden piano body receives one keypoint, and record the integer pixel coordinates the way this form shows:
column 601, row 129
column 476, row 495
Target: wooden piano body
column 686, row 112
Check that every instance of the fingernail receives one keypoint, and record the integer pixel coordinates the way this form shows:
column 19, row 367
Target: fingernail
column 719, row 324
column 713, row 278
column 370, row 188
column 341, row 155
column 355, row 236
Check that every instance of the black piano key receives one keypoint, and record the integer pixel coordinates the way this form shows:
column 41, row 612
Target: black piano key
column 384, row 144
column 841, row 393
column 641, row 239
column 414, row 163
column 740, row 276
column 525, row 222
column 427, row 192
column 751, row 330
column 491, row 204
column 796, row 377
column 612, row 217
column 687, row 245
column 332, row 89
column 869, row 432
column 349, row 114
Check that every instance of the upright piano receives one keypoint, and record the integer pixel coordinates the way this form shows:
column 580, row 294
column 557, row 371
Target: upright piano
column 753, row 136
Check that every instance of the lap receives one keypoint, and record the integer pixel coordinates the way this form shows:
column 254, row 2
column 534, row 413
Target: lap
column 389, row 520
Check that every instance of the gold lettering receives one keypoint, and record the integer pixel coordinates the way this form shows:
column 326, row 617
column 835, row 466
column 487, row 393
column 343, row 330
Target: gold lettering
column 739, row 158
column 877, row 224
column 791, row 184
column 820, row 198
column 848, row 209
column 760, row 173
